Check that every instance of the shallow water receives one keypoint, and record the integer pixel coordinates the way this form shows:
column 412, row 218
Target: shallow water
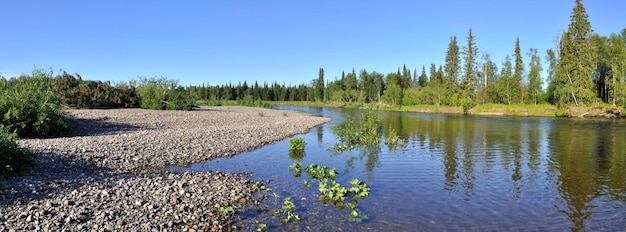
column 454, row 173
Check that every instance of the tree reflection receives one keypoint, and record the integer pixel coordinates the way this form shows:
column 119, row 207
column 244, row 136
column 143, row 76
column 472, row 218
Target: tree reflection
column 585, row 153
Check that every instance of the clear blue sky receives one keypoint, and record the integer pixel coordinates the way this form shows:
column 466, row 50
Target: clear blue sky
column 284, row 41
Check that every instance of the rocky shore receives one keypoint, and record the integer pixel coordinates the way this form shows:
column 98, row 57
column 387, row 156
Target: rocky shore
column 107, row 174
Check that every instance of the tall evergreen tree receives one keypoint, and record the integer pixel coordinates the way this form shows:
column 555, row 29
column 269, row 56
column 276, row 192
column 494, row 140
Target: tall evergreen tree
column 435, row 84
column 518, row 82
column 534, row 76
column 551, row 78
column 470, row 54
column 452, row 68
column 574, row 82
column 505, row 82
column 423, row 79
column 320, row 86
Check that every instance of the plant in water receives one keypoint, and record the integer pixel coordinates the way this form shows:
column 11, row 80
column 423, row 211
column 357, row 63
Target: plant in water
column 392, row 138
column 296, row 168
column 297, row 144
column 335, row 193
column 367, row 132
column 228, row 208
column 261, row 227
column 289, row 207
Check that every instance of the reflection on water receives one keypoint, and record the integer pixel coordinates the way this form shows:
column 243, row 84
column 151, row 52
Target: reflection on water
column 459, row 173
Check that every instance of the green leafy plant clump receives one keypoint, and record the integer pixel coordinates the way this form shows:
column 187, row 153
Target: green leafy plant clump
column 28, row 108
column 297, row 144
column 14, row 160
column 335, row 193
column 164, row 94
column 367, row 132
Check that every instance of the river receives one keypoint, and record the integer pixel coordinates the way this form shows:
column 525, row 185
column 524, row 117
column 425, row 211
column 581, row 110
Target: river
column 454, row 173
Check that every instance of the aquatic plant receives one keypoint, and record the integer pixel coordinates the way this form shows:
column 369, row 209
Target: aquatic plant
column 335, row 193
column 296, row 168
column 393, row 139
column 228, row 208
column 367, row 132
column 289, row 207
column 297, row 144
column 261, row 227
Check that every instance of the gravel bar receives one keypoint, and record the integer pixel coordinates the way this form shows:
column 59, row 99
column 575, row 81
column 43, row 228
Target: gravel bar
column 107, row 174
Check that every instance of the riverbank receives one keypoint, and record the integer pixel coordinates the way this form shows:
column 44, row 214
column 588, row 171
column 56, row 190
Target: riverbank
column 539, row 110
column 105, row 176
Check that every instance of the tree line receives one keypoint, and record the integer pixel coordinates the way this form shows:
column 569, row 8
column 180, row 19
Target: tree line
column 584, row 68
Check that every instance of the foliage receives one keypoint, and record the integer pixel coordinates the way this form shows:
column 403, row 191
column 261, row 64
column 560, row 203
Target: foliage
column 30, row 109
column 467, row 104
column 228, row 208
column 335, row 193
column 248, row 100
column 261, row 227
column 164, row 94
column 289, row 207
column 470, row 78
column 296, row 168
column 296, row 149
column 367, row 132
column 14, row 160
column 297, row 144
column 577, row 56
column 392, row 138
column 78, row 93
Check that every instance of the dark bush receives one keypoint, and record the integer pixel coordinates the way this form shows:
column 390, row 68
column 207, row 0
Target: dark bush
column 14, row 160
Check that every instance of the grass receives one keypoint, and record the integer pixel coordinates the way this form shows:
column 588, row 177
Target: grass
column 515, row 109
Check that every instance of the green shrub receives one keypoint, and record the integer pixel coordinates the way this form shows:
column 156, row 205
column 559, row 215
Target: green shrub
column 467, row 104
column 367, row 132
column 248, row 100
column 30, row 109
column 164, row 94
column 297, row 144
column 14, row 160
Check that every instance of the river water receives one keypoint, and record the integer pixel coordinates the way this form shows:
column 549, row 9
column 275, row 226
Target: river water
column 454, row 173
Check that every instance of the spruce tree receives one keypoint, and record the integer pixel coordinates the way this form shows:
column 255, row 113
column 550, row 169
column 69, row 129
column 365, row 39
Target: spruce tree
column 574, row 81
column 423, row 79
column 452, row 68
column 470, row 53
column 534, row 76
column 518, row 85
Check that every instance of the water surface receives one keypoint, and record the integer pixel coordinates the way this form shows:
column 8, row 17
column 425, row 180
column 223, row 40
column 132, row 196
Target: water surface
column 455, row 173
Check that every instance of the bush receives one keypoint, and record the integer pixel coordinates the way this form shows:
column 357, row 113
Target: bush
column 164, row 94
column 29, row 109
column 14, row 160
column 467, row 104
column 367, row 133
column 297, row 144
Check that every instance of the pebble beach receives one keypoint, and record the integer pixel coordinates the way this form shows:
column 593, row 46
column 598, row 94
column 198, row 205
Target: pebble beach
column 108, row 173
